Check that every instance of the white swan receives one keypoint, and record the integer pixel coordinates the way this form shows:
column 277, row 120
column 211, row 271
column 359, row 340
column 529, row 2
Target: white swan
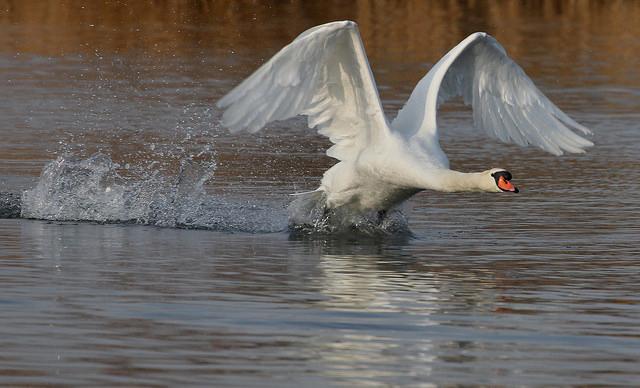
column 324, row 74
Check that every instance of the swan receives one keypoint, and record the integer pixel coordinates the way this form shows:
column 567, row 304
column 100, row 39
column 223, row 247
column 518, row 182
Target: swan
column 324, row 74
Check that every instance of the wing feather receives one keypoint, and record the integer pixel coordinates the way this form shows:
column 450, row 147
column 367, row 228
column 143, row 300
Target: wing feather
column 506, row 104
column 323, row 74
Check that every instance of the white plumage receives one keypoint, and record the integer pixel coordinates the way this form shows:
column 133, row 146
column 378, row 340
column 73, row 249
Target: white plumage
column 324, row 74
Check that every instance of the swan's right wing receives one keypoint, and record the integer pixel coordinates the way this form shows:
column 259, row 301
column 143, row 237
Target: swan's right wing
column 323, row 74
column 506, row 104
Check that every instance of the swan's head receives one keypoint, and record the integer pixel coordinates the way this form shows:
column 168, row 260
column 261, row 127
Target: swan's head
column 501, row 181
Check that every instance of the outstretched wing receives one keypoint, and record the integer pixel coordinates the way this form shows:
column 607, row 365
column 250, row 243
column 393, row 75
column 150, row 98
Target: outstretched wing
column 506, row 104
column 323, row 74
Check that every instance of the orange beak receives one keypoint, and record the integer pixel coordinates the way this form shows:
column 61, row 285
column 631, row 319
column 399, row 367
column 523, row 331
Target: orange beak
column 506, row 185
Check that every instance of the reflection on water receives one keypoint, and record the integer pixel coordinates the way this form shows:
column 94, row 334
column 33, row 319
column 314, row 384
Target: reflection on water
column 496, row 290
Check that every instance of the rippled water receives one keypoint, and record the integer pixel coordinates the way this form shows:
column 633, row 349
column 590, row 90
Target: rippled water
column 537, row 288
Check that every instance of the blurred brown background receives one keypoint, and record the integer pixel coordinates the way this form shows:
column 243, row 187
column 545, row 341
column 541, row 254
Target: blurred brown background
column 392, row 30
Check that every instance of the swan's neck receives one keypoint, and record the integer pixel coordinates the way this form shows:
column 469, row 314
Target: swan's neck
column 452, row 181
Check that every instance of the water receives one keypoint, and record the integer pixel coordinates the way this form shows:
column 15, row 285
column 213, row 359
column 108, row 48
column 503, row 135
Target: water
column 199, row 281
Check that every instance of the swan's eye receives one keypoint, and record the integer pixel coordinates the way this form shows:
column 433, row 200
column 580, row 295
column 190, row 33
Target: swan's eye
column 505, row 174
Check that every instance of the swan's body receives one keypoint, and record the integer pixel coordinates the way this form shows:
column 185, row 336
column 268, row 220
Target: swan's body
column 324, row 74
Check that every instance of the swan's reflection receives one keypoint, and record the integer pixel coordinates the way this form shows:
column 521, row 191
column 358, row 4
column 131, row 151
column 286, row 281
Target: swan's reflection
column 388, row 301
column 374, row 307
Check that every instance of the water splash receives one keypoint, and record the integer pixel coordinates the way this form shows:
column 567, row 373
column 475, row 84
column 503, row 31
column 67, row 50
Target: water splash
column 308, row 214
column 99, row 190
column 9, row 205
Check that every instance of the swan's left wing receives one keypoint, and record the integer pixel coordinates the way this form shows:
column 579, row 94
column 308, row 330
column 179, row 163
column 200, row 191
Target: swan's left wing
column 506, row 104
column 323, row 74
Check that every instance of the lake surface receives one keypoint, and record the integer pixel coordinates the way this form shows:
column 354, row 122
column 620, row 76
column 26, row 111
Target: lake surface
column 539, row 288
